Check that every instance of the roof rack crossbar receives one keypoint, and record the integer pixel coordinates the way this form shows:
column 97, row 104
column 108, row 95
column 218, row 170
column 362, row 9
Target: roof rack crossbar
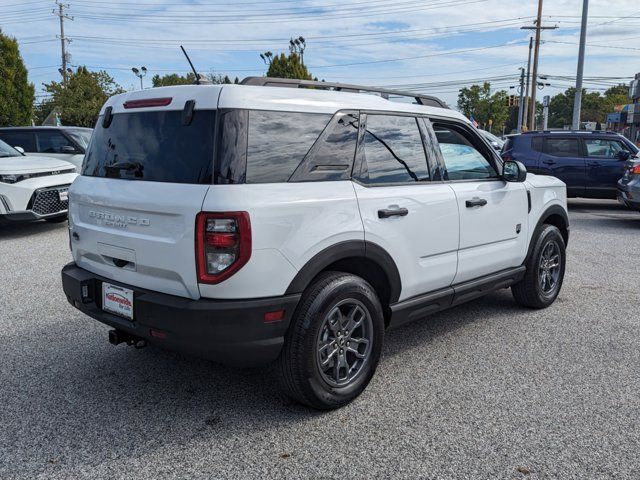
column 420, row 99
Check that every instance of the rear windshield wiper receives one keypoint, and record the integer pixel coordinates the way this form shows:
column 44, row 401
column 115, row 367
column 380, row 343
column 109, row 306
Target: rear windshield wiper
column 133, row 167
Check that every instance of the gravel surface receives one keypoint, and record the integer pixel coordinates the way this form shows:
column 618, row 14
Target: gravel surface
column 486, row 390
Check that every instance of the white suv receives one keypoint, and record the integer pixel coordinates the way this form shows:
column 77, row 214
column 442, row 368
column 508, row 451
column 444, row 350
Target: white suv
column 33, row 188
column 247, row 223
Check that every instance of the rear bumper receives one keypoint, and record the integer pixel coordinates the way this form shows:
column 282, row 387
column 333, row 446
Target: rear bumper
column 629, row 196
column 229, row 331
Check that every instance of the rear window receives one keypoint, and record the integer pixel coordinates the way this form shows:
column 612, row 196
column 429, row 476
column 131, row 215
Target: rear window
column 153, row 146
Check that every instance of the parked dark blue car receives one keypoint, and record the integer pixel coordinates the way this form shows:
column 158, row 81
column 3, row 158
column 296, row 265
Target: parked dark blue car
column 590, row 163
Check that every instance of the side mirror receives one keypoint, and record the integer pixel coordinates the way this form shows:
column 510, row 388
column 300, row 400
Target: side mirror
column 20, row 149
column 514, row 171
column 624, row 155
column 67, row 149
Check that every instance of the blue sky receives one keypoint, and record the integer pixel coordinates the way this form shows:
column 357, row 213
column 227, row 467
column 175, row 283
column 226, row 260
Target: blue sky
column 436, row 46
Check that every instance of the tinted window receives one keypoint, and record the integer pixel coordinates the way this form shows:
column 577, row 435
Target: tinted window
column 232, row 147
column 331, row 158
column 153, row 146
column 536, row 144
column 393, row 150
column 7, row 150
column 26, row 140
column 462, row 160
column 600, row 147
column 562, row 147
column 50, row 141
column 82, row 137
column 278, row 141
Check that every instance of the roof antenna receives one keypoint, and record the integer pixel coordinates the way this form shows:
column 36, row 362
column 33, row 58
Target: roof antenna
column 198, row 78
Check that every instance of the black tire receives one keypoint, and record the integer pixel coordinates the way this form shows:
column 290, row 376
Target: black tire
column 301, row 374
column 58, row 219
column 530, row 291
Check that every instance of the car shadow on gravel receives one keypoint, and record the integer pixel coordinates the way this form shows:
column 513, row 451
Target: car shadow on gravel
column 10, row 231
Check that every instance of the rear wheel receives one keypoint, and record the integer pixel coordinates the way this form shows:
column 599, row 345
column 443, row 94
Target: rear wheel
column 545, row 270
column 334, row 343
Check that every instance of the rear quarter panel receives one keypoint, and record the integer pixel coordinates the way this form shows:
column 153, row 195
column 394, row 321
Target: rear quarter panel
column 290, row 224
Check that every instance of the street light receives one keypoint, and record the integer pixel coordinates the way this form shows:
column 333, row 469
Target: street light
column 140, row 73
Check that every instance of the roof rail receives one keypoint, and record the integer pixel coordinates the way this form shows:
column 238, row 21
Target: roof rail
column 426, row 100
column 594, row 132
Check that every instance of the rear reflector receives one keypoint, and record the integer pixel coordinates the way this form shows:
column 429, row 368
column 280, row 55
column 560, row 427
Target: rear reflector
column 148, row 102
column 273, row 316
column 159, row 334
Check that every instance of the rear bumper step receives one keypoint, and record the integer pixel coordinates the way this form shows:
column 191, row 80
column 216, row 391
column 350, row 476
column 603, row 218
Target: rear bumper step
column 229, row 331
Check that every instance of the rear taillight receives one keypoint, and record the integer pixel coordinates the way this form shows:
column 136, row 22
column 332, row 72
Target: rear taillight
column 223, row 244
column 635, row 170
column 507, row 157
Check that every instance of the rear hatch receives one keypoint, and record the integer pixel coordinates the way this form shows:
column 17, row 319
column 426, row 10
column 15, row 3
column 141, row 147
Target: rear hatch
column 145, row 176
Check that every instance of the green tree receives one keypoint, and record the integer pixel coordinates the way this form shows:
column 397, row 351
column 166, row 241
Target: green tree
column 16, row 93
column 491, row 111
column 80, row 99
column 288, row 66
column 188, row 79
column 594, row 108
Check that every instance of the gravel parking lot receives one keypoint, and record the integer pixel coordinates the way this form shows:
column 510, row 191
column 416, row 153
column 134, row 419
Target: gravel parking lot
column 486, row 390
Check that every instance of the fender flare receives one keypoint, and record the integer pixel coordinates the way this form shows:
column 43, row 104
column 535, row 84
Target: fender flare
column 344, row 250
column 552, row 210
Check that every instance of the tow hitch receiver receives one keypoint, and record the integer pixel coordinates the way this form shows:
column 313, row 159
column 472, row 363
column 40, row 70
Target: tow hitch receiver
column 116, row 337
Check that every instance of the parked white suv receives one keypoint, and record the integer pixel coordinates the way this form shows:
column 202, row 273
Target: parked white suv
column 248, row 224
column 33, row 188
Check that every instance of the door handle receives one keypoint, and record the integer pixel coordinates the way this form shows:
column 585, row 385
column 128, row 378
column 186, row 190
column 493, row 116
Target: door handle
column 395, row 212
column 549, row 162
column 476, row 202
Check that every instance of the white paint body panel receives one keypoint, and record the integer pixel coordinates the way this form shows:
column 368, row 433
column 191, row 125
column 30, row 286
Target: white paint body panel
column 110, row 218
column 290, row 224
column 423, row 243
column 73, row 158
column 489, row 241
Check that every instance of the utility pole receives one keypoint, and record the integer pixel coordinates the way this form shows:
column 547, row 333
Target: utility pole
column 525, row 115
column 63, row 40
column 577, row 103
column 545, row 111
column 536, row 52
column 521, row 104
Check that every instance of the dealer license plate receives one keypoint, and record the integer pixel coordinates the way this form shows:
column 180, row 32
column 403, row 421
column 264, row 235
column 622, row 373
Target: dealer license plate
column 117, row 300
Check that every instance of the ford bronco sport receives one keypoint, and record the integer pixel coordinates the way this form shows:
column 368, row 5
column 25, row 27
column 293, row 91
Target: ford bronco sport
column 251, row 223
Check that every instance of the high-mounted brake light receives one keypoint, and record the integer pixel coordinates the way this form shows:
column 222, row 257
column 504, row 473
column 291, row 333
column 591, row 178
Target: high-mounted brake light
column 223, row 244
column 148, row 102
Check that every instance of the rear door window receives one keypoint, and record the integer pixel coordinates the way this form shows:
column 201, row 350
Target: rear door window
column 562, row 147
column 278, row 142
column 26, row 140
column 51, row 141
column 393, row 150
column 153, row 146
column 603, row 148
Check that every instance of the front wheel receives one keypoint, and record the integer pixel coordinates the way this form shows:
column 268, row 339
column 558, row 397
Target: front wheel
column 334, row 342
column 545, row 270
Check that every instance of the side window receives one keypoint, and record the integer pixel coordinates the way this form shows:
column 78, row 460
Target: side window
column 562, row 147
column 600, row 147
column 50, row 141
column 232, row 147
column 462, row 160
column 393, row 150
column 278, row 141
column 536, row 144
column 331, row 158
column 26, row 140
